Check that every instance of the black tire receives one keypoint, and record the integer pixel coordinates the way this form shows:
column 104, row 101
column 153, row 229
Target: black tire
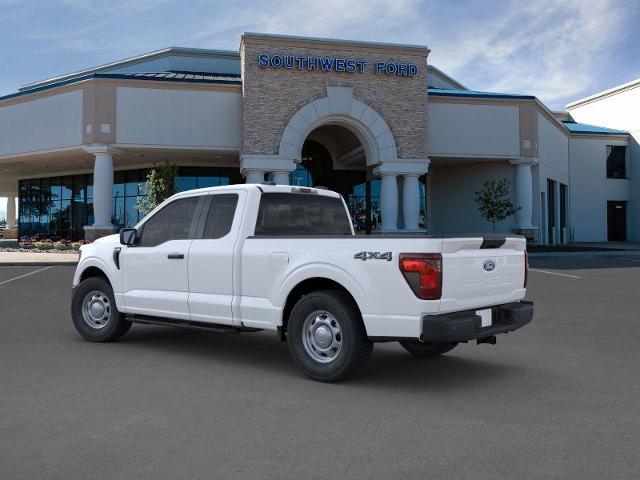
column 354, row 347
column 113, row 322
column 427, row 349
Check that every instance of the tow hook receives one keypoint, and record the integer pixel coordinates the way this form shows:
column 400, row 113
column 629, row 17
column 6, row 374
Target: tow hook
column 490, row 340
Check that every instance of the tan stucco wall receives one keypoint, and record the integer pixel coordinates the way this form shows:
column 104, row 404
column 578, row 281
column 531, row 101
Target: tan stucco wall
column 272, row 96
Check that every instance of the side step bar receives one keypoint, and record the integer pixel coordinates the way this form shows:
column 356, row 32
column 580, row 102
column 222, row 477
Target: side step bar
column 205, row 327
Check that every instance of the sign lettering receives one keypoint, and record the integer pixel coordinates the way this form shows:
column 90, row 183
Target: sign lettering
column 333, row 64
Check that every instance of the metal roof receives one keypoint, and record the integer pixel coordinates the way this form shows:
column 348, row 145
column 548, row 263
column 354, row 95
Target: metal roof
column 187, row 77
column 177, row 75
column 585, row 128
column 444, row 92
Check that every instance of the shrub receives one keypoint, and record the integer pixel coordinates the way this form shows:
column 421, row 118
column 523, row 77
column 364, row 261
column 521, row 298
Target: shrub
column 160, row 186
column 494, row 202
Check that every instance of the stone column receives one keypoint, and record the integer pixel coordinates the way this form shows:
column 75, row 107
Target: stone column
column 255, row 176
column 102, row 192
column 281, row 177
column 524, row 192
column 11, row 212
column 411, row 202
column 389, row 202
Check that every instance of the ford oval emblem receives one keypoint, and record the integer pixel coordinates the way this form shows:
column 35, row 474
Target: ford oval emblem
column 489, row 266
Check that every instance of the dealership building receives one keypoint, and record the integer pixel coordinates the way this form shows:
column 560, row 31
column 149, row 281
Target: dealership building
column 404, row 143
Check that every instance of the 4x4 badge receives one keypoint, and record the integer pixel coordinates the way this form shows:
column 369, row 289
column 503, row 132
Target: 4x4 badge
column 373, row 256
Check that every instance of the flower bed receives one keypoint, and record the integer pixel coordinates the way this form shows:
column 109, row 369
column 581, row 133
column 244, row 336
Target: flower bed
column 38, row 250
column 29, row 243
column 46, row 245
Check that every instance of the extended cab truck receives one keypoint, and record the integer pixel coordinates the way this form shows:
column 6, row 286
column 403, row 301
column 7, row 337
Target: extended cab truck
column 244, row 258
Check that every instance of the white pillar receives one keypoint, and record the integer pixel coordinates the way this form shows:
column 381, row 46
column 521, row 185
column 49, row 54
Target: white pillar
column 389, row 202
column 411, row 202
column 524, row 193
column 255, row 176
column 11, row 212
column 103, row 190
column 281, row 178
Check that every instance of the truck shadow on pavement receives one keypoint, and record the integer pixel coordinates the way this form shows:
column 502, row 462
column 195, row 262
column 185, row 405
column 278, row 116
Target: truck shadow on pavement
column 263, row 353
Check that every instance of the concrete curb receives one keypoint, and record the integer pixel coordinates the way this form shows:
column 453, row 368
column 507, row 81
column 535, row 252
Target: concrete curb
column 617, row 253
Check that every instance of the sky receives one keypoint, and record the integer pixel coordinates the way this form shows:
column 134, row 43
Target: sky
column 557, row 50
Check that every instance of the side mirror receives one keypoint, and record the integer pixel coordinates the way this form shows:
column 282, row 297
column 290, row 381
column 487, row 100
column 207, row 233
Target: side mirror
column 128, row 236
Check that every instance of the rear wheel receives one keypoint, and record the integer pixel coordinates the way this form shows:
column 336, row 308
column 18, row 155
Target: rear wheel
column 427, row 349
column 326, row 336
column 94, row 311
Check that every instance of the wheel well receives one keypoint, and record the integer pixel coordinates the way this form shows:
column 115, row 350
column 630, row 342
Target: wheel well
column 304, row 288
column 93, row 272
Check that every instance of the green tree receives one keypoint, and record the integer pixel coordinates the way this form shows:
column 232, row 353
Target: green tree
column 494, row 201
column 160, row 186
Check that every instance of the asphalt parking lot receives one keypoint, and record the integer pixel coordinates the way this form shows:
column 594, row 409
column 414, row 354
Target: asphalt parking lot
column 558, row 399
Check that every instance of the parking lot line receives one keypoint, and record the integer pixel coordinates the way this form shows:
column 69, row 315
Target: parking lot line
column 25, row 275
column 632, row 259
column 554, row 273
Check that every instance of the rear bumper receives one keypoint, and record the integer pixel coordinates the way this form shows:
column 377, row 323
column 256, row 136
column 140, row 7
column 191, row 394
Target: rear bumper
column 466, row 325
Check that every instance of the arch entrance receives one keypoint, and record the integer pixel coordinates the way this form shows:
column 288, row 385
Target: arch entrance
column 341, row 143
column 333, row 157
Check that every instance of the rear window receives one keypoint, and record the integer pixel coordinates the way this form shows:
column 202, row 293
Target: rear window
column 301, row 214
column 220, row 216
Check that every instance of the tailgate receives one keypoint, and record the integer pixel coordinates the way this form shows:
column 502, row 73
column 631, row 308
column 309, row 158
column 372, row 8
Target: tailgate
column 482, row 271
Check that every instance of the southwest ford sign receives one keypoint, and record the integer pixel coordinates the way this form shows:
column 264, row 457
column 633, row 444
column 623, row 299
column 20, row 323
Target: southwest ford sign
column 334, row 64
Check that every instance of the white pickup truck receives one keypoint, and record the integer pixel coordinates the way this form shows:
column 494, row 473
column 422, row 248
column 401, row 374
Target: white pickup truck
column 245, row 258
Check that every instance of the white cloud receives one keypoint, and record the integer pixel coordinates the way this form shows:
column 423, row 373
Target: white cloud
column 547, row 48
column 541, row 47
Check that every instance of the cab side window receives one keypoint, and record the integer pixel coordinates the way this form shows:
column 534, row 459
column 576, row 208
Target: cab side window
column 220, row 216
column 173, row 222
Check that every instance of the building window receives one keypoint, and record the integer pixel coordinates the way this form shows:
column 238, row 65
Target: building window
column 60, row 207
column 189, row 178
column 50, row 207
column 616, row 164
column 128, row 186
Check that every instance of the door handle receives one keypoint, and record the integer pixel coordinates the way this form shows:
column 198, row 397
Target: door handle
column 176, row 256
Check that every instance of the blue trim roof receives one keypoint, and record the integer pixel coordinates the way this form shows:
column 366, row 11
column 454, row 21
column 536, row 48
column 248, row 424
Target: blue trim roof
column 186, row 77
column 444, row 92
column 585, row 128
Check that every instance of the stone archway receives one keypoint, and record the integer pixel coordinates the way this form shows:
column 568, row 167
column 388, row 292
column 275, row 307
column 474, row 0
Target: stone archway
column 339, row 107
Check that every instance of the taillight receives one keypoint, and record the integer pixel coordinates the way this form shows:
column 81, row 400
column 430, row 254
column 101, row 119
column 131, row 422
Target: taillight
column 526, row 268
column 423, row 273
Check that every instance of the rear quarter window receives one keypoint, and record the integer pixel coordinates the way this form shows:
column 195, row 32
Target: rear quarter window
column 301, row 214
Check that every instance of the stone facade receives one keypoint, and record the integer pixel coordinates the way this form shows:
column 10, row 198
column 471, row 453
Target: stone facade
column 272, row 96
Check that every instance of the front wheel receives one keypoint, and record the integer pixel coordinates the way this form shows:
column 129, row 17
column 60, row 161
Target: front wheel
column 94, row 311
column 326, row 336
column 427, row 349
